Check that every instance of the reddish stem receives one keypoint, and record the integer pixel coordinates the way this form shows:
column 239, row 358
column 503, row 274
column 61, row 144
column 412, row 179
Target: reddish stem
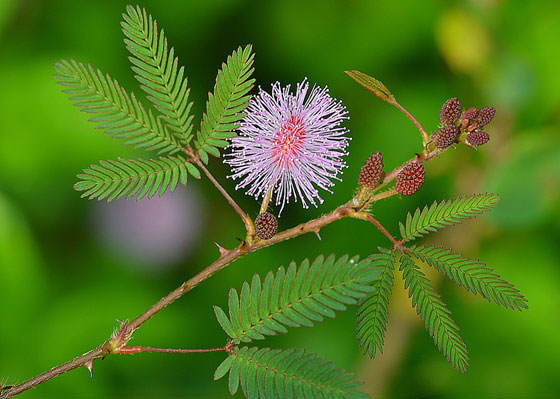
column 425, row 136
column 380, row 227
column 130, row 350
column 246, row 219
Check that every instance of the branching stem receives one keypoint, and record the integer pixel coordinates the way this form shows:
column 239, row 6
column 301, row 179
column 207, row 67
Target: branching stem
column 117, row 343
column 368, row 217
column 127, row 329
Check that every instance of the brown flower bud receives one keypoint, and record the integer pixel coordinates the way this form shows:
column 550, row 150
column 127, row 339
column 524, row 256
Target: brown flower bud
column 485, row 116
column 372, row 171
column 450, row 111
column 470, row 113
column 410, row 178
column 477, row 138
column 445, row 136
column 266, row 225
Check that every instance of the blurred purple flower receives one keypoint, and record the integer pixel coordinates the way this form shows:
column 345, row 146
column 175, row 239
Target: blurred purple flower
column 292, row 143
column 154, row 234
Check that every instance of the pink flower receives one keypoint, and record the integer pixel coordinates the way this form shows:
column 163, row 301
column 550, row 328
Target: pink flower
column 292, row 143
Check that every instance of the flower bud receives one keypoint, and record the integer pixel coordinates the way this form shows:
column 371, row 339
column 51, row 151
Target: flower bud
column 450, row 111
column 477, row 138
column 266, row 225
column 372, row 171
column 410, row 178
column 445, row 136
column 485, row 116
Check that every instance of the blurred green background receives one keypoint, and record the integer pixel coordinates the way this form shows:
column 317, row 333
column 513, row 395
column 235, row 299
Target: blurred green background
column 69, row 267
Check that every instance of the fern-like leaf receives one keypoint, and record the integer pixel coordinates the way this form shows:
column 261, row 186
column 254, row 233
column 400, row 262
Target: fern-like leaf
column 115, row 179
column 295, row 297
column 157, row 70
column 445, row 213
column 119, row 114
column 436, row 316
column 225, row 106
column 473, row 276
column 280, row 374
column 374, row 310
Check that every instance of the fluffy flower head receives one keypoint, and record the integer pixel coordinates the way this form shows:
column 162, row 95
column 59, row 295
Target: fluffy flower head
column 292, row 143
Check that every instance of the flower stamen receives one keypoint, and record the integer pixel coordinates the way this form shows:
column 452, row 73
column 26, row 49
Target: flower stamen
column 288, row 142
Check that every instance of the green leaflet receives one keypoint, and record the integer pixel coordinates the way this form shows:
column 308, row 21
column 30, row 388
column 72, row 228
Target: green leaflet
column 372, row 85
column 445, row 213
column 295, row 297
column 473, row 276
column 141, row 177
column 436, row 316
column 280, row 374
column 158, row 72
column 225, row 106
column 371, row 318
column 119, row 114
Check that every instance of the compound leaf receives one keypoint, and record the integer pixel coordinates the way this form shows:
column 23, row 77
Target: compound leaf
column 157, row 69
column 225, row 106
column 296, row 297
column 141, row 177
column 278, row 374
column 436, row 316
column 373, row 312
column 473, row 276
column 119, row 114
column 445, row 213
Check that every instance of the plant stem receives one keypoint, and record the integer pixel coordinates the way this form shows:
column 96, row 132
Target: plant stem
column 246, row 219
column 384, row 194
column 54, row 372
column 130, row 350
column 228, row 257
column 266, row 200
column 368, row 217
column 425, row 136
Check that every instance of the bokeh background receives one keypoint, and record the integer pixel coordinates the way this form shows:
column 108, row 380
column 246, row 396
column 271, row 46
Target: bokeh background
column 69, row 267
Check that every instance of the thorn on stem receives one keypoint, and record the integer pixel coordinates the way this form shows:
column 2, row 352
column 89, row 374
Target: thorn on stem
column 89, row 366
column 317, row 234
column 222, row 250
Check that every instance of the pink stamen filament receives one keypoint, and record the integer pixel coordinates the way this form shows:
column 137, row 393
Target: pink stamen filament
column 288, row 142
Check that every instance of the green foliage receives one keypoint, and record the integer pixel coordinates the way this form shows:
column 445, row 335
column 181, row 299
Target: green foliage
column 293, row 373
column 472, row 275
column 119, row 114
column 445, row 213
column 224, row 108
column 295, row 297
column 115, row 179
column 373, row 85
column 157, row 70
column 374, row 310
column 436, row 316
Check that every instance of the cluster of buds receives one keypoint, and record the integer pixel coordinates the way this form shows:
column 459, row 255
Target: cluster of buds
column 463, row 126
column 407, row 182
column 457, row 125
